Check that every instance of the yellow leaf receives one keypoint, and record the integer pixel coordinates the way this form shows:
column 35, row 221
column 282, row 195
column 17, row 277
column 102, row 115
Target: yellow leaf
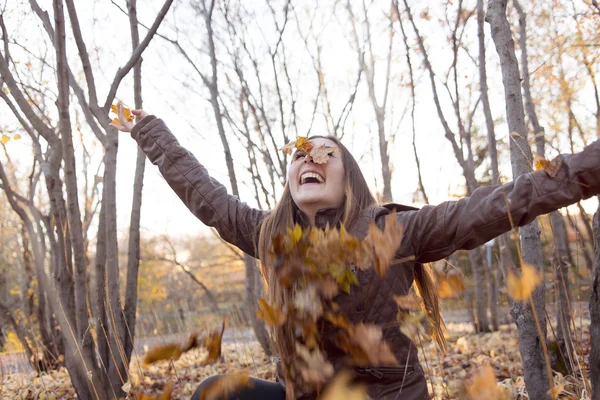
column 520, row 289
column 302, row 144
column 342, row 388
column 128, row 115
column 17, row 137
column 552, row 168
column 4, row 139
column 167, row 352
column 556, row 390
column 272, row 315
column 345, row 279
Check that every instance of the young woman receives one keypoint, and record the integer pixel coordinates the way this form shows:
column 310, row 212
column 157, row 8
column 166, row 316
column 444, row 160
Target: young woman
column 334, row 193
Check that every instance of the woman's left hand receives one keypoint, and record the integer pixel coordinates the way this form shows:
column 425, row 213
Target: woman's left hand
column 125, row 125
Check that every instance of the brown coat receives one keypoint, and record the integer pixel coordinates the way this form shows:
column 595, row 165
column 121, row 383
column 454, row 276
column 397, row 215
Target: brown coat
column 430, row 233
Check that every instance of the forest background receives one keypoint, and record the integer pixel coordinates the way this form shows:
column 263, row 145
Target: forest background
column 414, row 89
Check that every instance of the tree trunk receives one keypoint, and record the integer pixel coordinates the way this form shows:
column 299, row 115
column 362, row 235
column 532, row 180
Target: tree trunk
column 526, row 315
column 133, row 252
column 252, row 292
column 595, row 312
column 479, row 291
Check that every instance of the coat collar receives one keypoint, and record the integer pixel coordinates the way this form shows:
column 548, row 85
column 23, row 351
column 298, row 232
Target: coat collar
column 323, row 217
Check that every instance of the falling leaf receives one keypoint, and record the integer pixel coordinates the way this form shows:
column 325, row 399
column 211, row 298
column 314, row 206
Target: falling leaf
column 337, row 320
column 555, row 391
column 384, row 243
column 328, row 288
column 16, row 137
column 4, row 139
column 520, row 289
column 272, row 315
column 225, row 385
column 416, row 325
column 316, row 369
column 345, row 279
column 165, row 395
column 165, row 352
column 364, row 343
column 409, row 302
column 321, row 154
column 212, row 343
column 552, row 168
column 342, row 388
column 483, row 386
column 449, row 285
column 308, row 301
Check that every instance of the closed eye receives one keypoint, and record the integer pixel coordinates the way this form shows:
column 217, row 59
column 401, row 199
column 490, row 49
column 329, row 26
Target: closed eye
column 299, row 154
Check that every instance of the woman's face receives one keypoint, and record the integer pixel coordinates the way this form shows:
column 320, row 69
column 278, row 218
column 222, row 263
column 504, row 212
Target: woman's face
column 316, row 186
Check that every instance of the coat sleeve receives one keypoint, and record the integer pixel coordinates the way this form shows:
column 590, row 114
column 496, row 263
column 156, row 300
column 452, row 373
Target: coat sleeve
column 236, row 222
column 435, row 232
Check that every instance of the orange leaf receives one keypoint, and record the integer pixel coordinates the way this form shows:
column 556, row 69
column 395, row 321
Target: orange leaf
column 272, row 315
column 226, row 385
column 302, row 144
column 337, row 320
column 170, row 351
column 555, row 391
column 4, row 139
column 128, row 115
column 520, row 289
column 212, row 343
column 449, row 285
column 364, row 343
column 384, row 244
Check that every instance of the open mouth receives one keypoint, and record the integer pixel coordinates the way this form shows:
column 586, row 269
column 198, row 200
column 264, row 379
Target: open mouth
column 311, row 177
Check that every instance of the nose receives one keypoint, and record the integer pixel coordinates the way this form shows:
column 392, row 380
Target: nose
column 307, row 159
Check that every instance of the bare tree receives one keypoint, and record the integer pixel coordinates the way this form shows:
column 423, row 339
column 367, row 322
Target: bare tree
column 97, row 365
column 467, row 164
column 529, row 317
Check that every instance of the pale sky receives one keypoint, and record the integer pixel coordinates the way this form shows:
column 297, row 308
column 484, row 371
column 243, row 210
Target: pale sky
column 190, row 117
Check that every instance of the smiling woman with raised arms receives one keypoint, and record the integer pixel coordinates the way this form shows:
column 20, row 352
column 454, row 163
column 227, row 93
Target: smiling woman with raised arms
column 334, row 193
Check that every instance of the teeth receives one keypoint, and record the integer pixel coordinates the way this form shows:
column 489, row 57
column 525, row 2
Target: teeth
column 307, row 175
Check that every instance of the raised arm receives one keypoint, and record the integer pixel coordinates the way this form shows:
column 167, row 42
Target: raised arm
column 236, row 222
column 435, row 232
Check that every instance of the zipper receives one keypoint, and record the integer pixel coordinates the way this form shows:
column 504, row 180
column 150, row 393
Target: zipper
column 368, row 370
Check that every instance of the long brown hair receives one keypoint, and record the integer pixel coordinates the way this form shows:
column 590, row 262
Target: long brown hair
column 357, row 199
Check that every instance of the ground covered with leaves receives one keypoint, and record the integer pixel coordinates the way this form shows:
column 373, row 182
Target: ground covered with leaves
column 460, row 373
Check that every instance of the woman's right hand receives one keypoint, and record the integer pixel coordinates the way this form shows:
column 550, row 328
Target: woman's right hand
column 125, row 125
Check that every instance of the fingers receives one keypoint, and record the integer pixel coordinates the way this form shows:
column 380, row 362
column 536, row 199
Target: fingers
column 141, row 114
column 119, row 127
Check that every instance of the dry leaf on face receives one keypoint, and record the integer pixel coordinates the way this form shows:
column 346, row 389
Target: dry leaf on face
column 321, row 154
column 483, row 386
column 128, row 115
column 449, row 285
column 317, row 370
column 383, row 245
column 272, row 315
column 308, row 301
column 364, row 343
column 225, row 385
column 520, row 289
column 212, row 343
column 409, row 302
column 341, row 388
column 302, row 144
column 551, row 168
